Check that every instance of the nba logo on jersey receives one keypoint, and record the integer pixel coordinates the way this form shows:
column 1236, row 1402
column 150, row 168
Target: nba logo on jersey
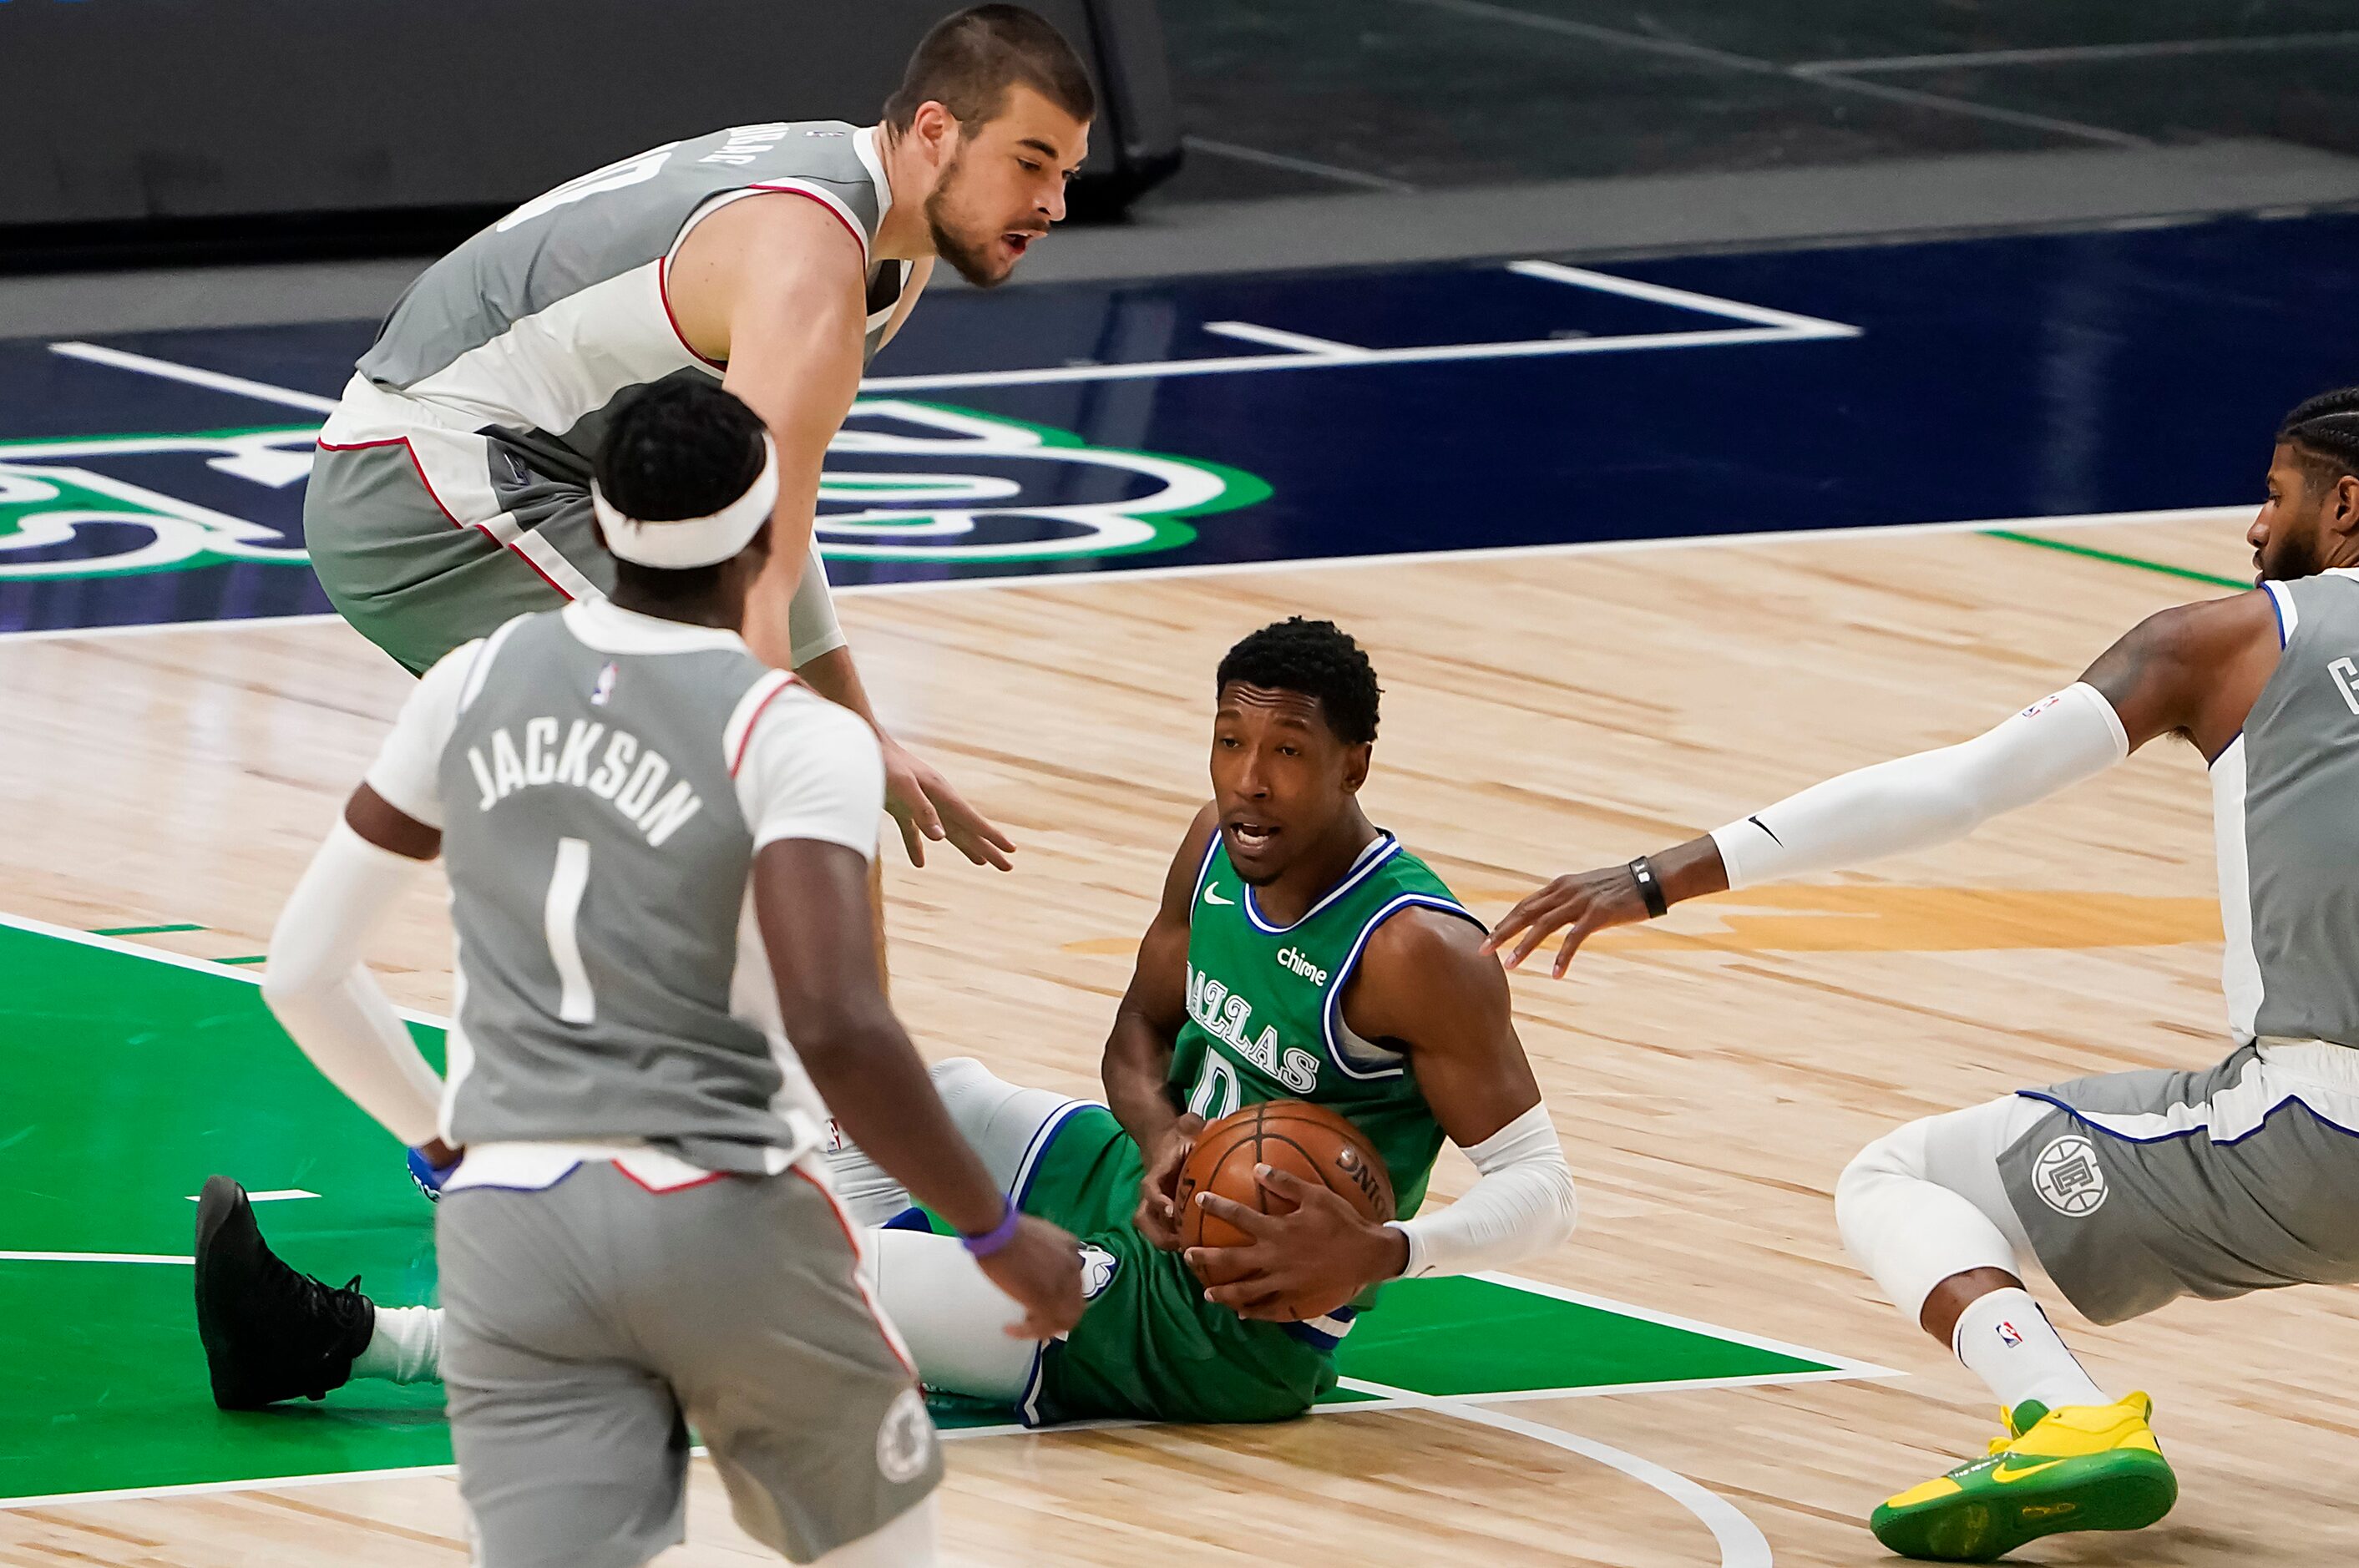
column 2008, row 1336
column 602, row 687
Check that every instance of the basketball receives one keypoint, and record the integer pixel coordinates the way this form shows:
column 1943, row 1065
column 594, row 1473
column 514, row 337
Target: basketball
column 1294, row 1135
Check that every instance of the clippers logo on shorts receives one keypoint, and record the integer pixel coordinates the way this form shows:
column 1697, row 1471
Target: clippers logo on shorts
column 904, row 1442
column 1098, row 1269
column 2067, row 1178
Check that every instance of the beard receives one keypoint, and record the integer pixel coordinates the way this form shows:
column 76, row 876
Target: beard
column 2292, row 560
column 972, row 259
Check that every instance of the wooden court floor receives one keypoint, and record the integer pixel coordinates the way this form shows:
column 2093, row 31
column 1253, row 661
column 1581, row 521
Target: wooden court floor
column 1710, row 1076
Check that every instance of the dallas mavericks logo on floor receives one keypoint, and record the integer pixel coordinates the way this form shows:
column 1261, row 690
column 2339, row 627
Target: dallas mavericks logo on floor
column 207, row 526
column 2067, row 1178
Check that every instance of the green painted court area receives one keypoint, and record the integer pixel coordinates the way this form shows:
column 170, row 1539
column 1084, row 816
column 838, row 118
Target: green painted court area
column 127, row 1077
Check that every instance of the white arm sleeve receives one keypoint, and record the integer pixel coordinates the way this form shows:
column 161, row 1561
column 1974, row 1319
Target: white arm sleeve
column 327, row 999
column 809, row 770
column 812, row 627
column 1931, row 798
column 1523, row 1201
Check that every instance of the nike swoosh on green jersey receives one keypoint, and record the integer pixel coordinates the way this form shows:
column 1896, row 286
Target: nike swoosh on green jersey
column 1212, row 895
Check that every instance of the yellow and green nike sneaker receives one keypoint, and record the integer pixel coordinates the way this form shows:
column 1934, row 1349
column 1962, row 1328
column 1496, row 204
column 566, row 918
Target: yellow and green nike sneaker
column 2078, row 1468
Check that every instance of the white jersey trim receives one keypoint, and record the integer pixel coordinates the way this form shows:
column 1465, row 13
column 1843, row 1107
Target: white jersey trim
column 2320, row 1076
column 2240, row 965
column 2289, row 614
column 872, row 159
column 552, row 368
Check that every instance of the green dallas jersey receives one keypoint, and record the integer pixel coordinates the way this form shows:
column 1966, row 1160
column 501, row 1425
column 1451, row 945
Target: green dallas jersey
column 1266, row 1006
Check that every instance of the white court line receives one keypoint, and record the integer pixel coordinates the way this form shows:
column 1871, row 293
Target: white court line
column 91, row 1257
column 1686, row 299
column 1442, row 353
column 1768, row 326
column 213, row 380
column 2077, row 52
column 1060, row 580
column 1336, row 172
column 268, row 1195
column 1301, row 343
column 56, row 634
column 1843, row 1364
column 178, row 961
column 1740, row 1542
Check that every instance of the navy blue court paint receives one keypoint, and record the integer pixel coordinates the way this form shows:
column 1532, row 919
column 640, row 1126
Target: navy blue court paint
column 1014, row 433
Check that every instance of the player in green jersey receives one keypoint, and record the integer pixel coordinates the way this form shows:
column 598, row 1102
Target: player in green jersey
column 1298, row 953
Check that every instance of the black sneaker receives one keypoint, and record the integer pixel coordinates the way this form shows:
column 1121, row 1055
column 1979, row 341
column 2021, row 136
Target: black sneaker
column 269, row 1332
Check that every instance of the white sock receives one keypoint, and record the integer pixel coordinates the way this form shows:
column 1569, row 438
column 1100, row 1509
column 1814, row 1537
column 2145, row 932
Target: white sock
column 2006, row 1341
column 405, row 1348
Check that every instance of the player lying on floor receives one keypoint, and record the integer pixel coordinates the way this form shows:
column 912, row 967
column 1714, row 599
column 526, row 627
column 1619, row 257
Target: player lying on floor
column 1299, row 952
column 2130, row 1189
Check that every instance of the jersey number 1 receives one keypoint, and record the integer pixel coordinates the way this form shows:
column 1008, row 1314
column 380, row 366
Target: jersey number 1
column 576, row 1004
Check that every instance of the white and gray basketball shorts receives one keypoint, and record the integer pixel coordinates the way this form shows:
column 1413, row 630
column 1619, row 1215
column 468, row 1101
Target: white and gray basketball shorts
column 591, row 1324
column 2138, row 1188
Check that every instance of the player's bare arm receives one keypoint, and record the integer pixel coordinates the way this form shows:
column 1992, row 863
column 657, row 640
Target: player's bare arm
column 774, row 287
column 811, row 900
column 1137, row 1065
column 1425, row 986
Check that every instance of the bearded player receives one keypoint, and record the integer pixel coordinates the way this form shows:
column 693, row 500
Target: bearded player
column 2130, row 1189
column 450, row 490
column 1299, row 952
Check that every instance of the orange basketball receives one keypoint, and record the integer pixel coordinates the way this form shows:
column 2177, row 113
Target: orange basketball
column 1307, row 1141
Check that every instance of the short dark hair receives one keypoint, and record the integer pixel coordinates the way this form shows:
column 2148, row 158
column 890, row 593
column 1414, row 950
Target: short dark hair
column 2324, row 434
column 1320, row 660
column 968, row 62
column 685, row 447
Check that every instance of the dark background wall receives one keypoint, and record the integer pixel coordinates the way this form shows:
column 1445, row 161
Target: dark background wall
column 118, row 111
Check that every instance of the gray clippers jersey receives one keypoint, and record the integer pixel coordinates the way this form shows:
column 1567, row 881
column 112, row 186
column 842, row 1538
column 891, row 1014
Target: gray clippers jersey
column 2286, row 817
column 535, row 328
column 598, row 860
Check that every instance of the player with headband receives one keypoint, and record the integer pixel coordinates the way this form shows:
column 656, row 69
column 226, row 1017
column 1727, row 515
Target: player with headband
column 658, row 850
column 2129, row 1188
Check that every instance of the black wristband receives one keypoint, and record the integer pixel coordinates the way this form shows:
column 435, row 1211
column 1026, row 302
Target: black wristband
column 1650, row 887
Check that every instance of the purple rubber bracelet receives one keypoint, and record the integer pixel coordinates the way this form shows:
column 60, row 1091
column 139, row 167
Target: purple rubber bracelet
column 997, row 1236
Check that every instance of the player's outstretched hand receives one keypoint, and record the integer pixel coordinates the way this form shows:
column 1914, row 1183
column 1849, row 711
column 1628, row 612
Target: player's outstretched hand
column 1587, row 902
column 926, row 806
column 1158, row 1218
column 1040, row 1268
column 1300, row 1264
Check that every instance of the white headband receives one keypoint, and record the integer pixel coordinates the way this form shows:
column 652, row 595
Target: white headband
column 693, row 541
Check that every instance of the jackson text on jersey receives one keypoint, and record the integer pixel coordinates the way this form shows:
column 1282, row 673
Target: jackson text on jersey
column 626, row 775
